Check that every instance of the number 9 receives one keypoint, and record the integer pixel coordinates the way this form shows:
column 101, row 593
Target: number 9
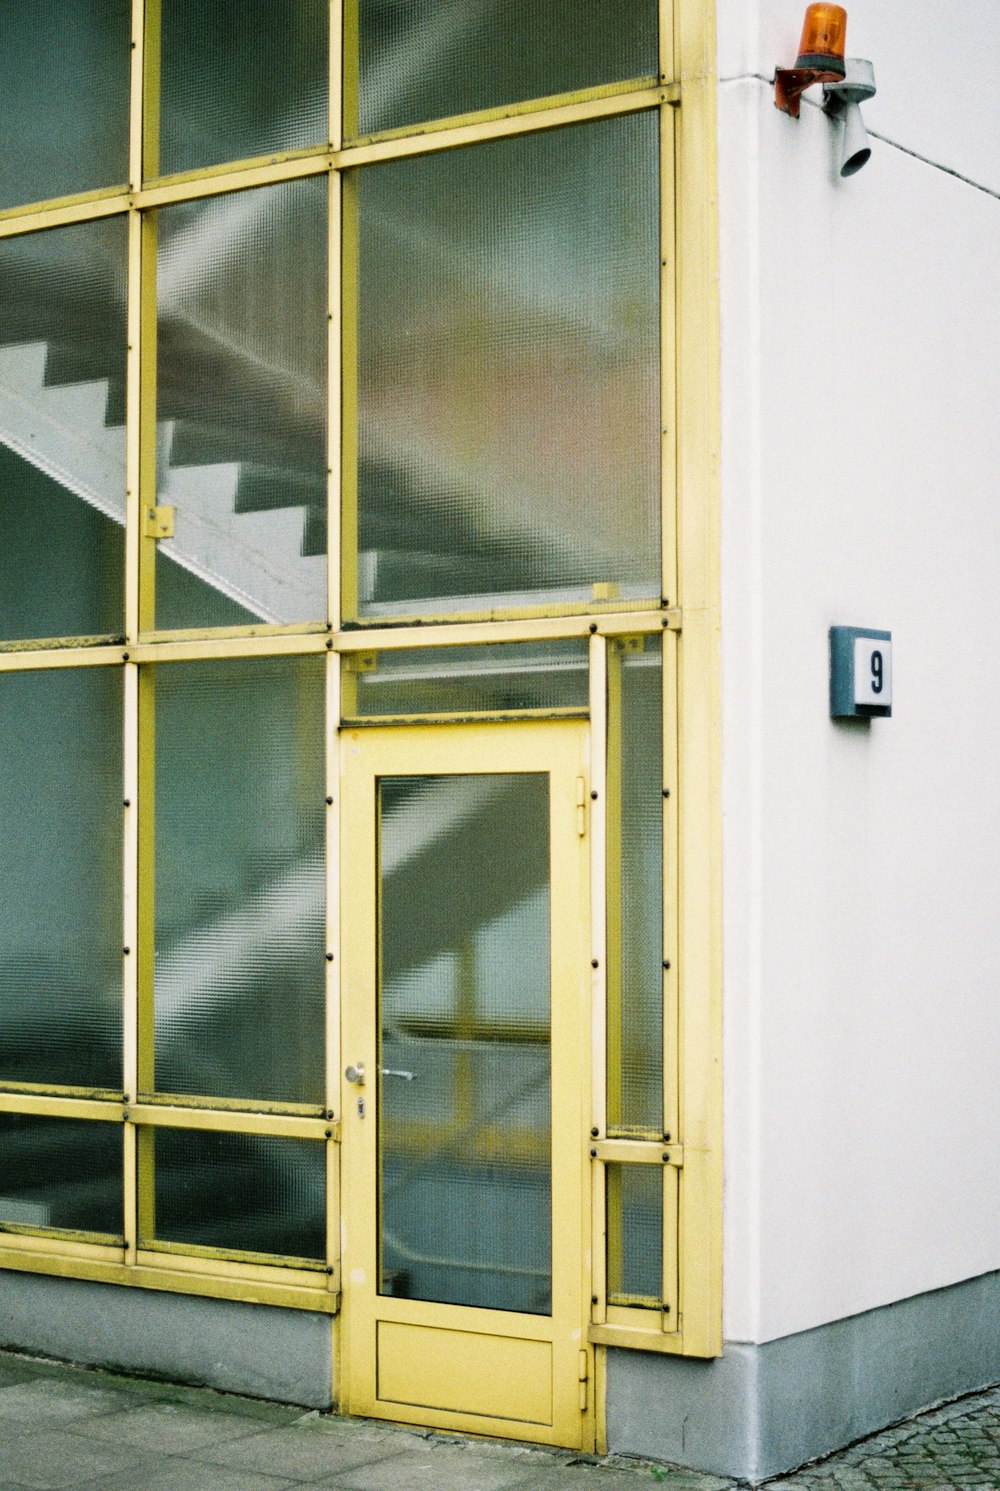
column 876, row 672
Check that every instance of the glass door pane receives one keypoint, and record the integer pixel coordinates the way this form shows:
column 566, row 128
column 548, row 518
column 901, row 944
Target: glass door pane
column 465, row 1067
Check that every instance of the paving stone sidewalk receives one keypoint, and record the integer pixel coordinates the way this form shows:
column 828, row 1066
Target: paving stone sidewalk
column 64, row 1428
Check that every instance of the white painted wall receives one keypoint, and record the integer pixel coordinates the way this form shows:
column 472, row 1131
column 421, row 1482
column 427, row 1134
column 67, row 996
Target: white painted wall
column 861, row 485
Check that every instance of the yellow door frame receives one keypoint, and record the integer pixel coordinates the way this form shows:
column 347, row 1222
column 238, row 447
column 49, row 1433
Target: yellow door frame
column 531, row 1376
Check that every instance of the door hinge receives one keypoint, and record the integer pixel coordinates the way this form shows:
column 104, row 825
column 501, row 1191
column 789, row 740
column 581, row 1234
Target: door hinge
column 159, row 522
column 584, row 1374
column 581, row 806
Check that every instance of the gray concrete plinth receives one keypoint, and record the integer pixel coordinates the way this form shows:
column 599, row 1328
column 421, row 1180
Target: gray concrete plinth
column 259, row 1350
column 759, row 1410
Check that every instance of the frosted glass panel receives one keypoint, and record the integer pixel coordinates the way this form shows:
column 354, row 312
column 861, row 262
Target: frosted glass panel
column 450, row 57
column 465, row 1183
column 61, row 877
column 460, row 680
column 239, row 879
column 237, row 83
column 64, row 76
column 57, row 1172
column 635, row 1234
column 62, row 431
column 508, row 373
column 241, row 369
column 635, row 879
column 242, row 1192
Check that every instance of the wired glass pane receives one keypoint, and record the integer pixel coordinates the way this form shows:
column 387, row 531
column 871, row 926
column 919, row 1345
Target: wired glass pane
column 64, row 87
column 58, row 1172
column 237, row 83
column 62, row 431
column 241, row 407
column 446, row 57
column 249, row 1193
column 497, row 679
column 240, row 903
column 635, row 1235
column 464, row 1087
column 507, row 375
column 635, row 882
column 61, row 877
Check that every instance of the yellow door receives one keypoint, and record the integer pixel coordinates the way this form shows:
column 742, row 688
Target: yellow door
column 466, row 1039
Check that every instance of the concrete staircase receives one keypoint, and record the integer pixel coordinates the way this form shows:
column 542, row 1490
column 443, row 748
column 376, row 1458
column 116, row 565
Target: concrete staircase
column 231, row 532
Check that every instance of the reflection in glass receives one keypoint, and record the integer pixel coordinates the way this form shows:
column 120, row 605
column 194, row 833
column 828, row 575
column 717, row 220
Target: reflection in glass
column 239, row 972
column 447, row 57
column 635, row 880
column 498, row 679
column 61, row 877
column 242, row 1192
column 236, row 83
column 62, row 431
column 508, row 392
column 57, row 1172
column 64, row 79
column 241, row 407
column 464, row 1091
column 635, row 1234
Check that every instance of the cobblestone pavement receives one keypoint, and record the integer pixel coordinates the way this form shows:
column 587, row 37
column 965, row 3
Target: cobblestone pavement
column 952, row 1448
column 65, row 1428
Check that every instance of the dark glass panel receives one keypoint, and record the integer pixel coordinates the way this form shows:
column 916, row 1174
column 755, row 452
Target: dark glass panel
column 241, row 407
column 237, row 82
column 61, row 877
column 508, row 387
column 62, row 431
column 240, row 888
column 446, row 57
column 245, row 1193
column 64, row 86
column 57, row 1172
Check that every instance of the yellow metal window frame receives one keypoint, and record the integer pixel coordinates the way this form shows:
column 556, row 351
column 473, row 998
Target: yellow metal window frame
column 688, row 616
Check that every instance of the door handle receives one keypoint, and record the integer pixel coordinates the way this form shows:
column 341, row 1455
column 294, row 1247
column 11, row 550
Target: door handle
column 356, row 1074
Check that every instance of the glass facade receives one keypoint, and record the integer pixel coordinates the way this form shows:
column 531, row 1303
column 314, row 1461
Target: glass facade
column 62, row 431
column 487, row 56
column 466, row 681
column 235, row 1193
column 64, row 74
column 230, row 91
column 61, row 872
column 507, row 381
column 239, row 889
column 635, row 1235
column 62, row 1174
column 258, row 394
column 241, row 407
column 635, row 893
